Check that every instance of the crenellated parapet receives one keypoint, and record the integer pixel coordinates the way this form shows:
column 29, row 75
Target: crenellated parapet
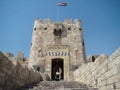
column 14, row 59
column 46, row 23
column 48, row 20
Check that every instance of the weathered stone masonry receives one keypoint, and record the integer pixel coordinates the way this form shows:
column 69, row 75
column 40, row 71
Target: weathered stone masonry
column 57, row 44
column 13, row 76
column 104, row 73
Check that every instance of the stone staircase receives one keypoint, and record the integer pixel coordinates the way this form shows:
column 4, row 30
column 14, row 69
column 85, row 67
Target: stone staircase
column 57, row 85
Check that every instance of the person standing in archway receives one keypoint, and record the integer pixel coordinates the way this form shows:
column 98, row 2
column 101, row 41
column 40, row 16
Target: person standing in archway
column 58, row 74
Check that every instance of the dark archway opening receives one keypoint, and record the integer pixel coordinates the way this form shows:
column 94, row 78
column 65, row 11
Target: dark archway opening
column 93, row 59
column 57, row 65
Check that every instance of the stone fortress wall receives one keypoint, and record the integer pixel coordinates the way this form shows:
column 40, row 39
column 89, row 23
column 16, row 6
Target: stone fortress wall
column 14, row 74
column 103, row 72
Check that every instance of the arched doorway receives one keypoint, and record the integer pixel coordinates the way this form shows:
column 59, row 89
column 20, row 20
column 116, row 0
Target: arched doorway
column 57, row 65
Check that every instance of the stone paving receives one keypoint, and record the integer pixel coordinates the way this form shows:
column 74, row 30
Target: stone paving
column 57, row 85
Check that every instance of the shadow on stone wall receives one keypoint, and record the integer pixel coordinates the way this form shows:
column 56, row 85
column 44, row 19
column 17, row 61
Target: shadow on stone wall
column 15, row 76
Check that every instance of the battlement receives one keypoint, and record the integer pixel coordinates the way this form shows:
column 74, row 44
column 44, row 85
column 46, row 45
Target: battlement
column 8, row 54
column 46, row 25
column 48, row 21
column 20, row 57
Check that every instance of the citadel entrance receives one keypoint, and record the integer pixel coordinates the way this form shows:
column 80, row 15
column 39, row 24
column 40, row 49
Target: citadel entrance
column 57, row 66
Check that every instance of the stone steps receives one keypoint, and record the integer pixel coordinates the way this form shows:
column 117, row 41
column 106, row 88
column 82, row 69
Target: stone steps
column 57, row 85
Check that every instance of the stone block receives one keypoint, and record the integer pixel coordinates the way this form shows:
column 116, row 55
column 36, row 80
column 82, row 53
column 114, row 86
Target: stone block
column 117, row 77
column 118, row 67
column 111, row 80
column 117, row 60
column 92, row 88
column 113, row 71
column 117, row 85
column 117, row 89
column 113, row 63
column 102, row 88
column 110, row 87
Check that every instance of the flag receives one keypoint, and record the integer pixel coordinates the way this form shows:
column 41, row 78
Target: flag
column 62, row 4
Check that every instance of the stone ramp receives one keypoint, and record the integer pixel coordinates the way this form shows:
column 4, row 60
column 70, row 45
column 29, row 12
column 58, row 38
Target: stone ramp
column 57, row 85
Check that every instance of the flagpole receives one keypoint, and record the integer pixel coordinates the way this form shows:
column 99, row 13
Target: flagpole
column 57, row 11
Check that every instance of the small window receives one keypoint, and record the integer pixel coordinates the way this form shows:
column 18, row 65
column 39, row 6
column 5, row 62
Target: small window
column 45, row 28
column 34, row 29
column 83, row 44
column 93, row 59
column 69, row 28
column 80, row 29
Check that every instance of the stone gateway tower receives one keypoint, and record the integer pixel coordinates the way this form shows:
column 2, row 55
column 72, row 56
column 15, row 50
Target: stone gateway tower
column 57, row 47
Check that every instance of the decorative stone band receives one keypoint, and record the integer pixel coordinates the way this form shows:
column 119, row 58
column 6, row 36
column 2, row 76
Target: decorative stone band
column 58, row 53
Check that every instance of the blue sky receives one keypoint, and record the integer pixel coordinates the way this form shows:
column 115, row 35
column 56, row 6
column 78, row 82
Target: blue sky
column 100, row 22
